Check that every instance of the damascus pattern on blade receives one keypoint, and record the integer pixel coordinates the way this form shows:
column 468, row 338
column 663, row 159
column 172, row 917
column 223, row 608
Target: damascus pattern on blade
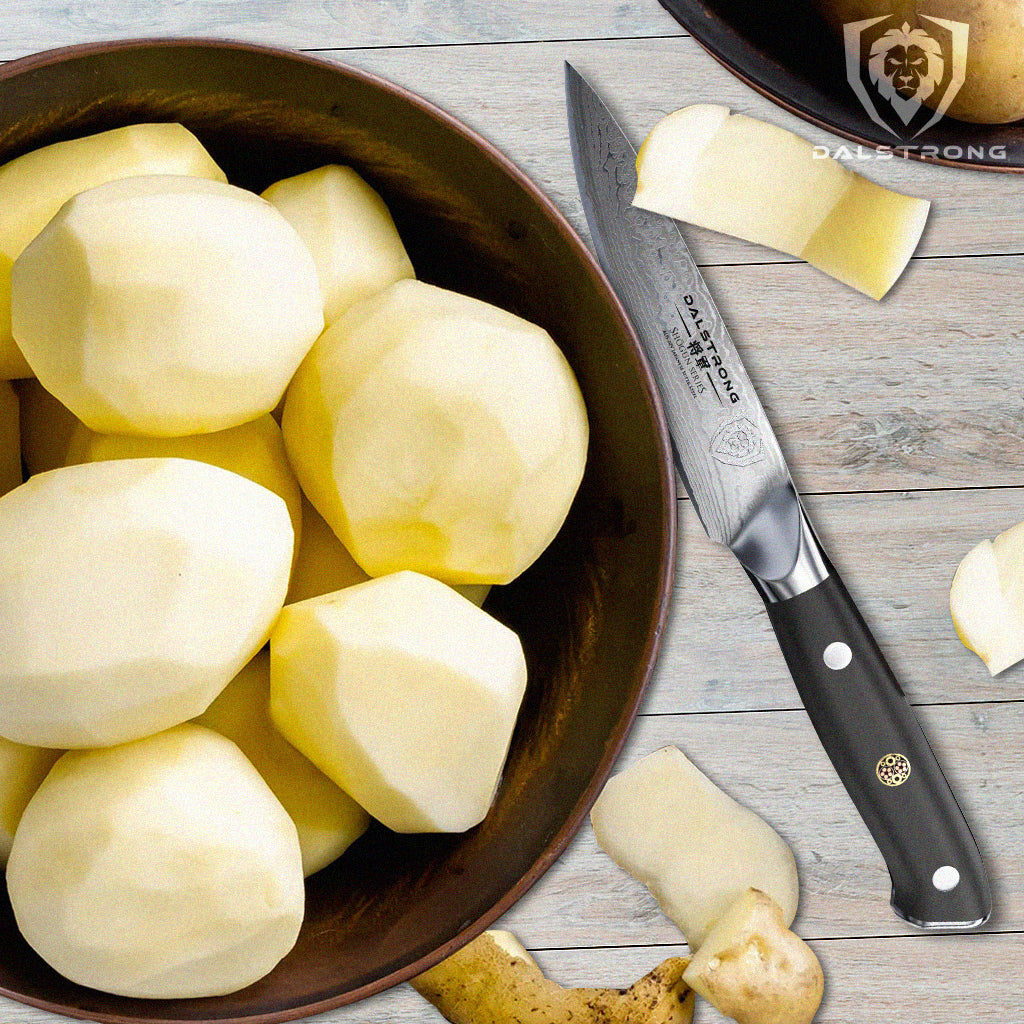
column 725, row 448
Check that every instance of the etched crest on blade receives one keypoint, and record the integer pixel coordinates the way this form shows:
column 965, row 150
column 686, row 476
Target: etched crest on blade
column 737, row 443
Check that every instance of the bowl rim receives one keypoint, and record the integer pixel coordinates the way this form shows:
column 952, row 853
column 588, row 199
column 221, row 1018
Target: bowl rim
column 668, row 542
column 747, row 62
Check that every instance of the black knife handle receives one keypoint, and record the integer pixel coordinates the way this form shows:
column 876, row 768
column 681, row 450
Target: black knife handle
column 880, row 752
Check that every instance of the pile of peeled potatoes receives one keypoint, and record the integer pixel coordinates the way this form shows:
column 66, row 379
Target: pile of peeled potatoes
column 166, row 778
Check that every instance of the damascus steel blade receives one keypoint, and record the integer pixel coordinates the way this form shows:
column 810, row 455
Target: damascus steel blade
column 726, row 451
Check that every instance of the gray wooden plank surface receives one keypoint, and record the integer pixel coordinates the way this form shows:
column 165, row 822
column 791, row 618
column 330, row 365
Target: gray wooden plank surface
column 897, row 553
column 642, row 80
column 600, row 925
column 31, row 25
column 868, row 981
column 904, row 421
column 773, row 763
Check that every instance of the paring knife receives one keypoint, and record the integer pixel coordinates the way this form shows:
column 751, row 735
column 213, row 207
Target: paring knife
column 740, row 488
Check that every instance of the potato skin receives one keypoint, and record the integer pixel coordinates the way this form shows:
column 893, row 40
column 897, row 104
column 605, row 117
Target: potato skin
column 993, row 92
column 483, row 982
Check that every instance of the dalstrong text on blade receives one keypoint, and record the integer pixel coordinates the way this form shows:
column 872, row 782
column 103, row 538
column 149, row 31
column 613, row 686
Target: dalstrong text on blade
column 702, row 347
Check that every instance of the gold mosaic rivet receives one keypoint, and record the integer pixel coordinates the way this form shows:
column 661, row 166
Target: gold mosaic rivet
column 893, row 769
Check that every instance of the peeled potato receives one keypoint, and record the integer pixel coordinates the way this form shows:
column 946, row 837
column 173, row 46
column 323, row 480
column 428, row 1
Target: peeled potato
column 475, row 592
column 691, row 844
column 10, row 439
column 349, row 231
column 132, row 592
column 46, row 427
column 437, row 433
column 743, row 177
column 986, row 600
column 404, row 693
column 33, row 187
column 166, row 305
column 159, row 869
column 322, row 563
column 254, row 450
column 327, row 819
column 22, row 769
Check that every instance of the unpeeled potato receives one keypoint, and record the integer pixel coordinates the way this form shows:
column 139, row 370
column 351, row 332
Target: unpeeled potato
column 993, row 90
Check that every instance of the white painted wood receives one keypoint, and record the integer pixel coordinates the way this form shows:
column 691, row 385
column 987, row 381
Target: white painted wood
column 772, row 763
column 32, row 25
column 917, row 398
column 897, row 554
column 973, row 212
column 867, row 981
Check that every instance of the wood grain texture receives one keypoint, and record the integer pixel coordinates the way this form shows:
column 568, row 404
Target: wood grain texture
column 642, row 80
column 32, row 25
column 867, row 981
column 771, row 762
column 897, row 553
column 904, row 420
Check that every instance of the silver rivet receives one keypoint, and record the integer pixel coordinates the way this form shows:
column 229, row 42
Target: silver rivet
column 946, row 878
column 837, row 655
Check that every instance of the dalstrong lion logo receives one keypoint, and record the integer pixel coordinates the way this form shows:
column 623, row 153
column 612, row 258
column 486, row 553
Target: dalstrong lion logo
column 895, row 69
column 905, row 65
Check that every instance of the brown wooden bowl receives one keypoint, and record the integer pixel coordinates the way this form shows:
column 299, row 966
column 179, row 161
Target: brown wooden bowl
column 590, row 612
column 788, row 53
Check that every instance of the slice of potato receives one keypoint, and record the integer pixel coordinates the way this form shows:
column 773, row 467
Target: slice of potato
column 327, row 819
column 132, row 591
column 159, row 869
column 46, row 427
column 743, row 177
column 691, row 844
column 33, row 187
column 349, row 231
column 10, row 439
column 166, row 305
column 254, row 450
column 404, row 693
column 986, row 600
